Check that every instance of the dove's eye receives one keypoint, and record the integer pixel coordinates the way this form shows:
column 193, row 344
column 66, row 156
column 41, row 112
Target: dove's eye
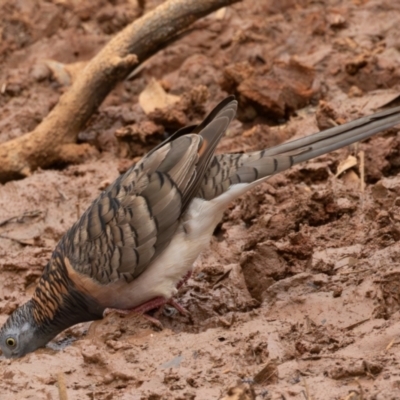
column 11, row 342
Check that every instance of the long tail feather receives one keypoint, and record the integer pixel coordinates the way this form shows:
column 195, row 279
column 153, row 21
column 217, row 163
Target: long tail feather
column 227, row 170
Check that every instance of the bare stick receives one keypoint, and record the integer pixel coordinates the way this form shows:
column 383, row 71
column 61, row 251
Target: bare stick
column 54, row 139
column 62, row 388
column 362, row 171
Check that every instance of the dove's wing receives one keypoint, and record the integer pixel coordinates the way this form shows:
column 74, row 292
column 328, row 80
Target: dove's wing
column 133, row 220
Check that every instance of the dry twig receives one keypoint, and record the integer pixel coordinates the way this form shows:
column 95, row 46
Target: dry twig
column 21, row 218
column 362, row 171
column 307, row 392
column 62, row 387
column 54, row 139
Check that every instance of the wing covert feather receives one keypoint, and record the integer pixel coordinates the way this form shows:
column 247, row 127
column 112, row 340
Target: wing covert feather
column 135, row 218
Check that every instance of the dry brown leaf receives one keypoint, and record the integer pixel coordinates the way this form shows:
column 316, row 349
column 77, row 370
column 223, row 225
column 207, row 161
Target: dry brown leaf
column 74, row 69
column 268, row 374
column 220, row 14
column 346, row 164
column 154, row 96
column 59, row 72
column 243, row 391
column 350, row 178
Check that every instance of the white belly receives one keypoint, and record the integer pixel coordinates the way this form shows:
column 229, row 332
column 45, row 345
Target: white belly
column 193, row 235
column 162, row 276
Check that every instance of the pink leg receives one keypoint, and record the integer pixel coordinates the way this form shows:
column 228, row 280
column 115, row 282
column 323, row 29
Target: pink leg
column 142, row 309
column 157, row 302
column 148, row 306
column 178, row 307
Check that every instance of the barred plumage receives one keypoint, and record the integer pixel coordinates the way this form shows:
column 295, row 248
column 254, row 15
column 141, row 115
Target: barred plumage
column 140, row 237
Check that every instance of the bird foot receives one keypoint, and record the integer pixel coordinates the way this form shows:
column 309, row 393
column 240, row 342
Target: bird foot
column 157, row 302
column 178, row 307
column 175, row 305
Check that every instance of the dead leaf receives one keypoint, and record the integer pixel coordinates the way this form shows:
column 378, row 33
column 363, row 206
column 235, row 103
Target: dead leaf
column 268, row 374
column 346, row 164
column 154, row 96
column 220, row 14
column 59, row 72
column 380, row 98
column 74, row 69
column 243, row 391
column 350, row 178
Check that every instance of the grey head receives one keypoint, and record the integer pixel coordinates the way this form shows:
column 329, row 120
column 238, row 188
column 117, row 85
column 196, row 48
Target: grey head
column 20, row 334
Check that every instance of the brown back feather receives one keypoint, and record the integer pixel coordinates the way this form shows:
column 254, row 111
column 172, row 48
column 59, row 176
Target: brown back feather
column 135, row 218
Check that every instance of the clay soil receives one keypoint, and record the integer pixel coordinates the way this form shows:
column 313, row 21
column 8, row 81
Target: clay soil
column 299, row 292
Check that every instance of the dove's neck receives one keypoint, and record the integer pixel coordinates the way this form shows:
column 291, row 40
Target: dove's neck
column 58, row 304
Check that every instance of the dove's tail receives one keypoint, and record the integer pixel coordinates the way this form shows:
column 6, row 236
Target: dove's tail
column 243, row 171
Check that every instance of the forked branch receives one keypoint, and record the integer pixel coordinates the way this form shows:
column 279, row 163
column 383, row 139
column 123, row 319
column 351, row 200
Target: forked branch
column 54, row 139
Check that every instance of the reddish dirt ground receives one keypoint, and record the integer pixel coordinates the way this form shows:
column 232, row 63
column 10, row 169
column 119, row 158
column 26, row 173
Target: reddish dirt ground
column 299, row 293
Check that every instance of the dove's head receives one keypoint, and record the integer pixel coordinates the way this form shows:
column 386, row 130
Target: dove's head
column 20, row 334
column 55, row 306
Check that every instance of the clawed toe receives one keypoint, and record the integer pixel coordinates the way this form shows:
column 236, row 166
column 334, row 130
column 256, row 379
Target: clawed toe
column 158, row 302
column 178, row 307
